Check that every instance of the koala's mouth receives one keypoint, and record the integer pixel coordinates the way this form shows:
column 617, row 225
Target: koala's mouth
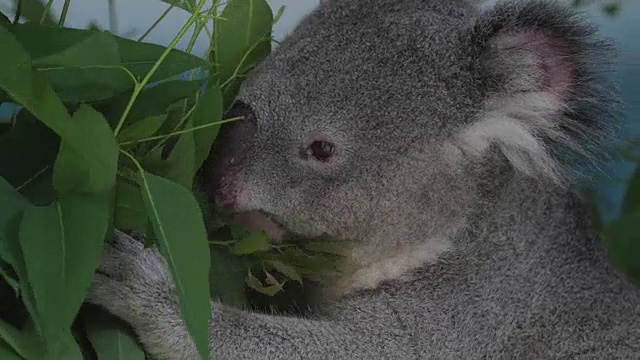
column 260, row 221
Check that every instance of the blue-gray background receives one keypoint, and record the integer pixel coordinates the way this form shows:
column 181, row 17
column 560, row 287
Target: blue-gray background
column 135, row 16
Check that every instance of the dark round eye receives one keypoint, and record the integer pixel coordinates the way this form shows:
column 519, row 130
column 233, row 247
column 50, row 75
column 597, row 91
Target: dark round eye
column 321, row 150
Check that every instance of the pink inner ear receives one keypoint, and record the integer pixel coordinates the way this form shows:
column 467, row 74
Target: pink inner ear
column 552, row 55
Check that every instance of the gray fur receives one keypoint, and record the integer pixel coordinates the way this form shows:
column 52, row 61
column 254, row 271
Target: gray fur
column 453, row 129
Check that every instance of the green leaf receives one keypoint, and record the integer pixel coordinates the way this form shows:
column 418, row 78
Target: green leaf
column 6, row 352
column 22, row 343
column 62, row 245
column 78, row 170
column 29, row 88
column 130, row 212
column 152, row 101
column 254, row 242
column 187, row 5
column 178, row 224
column 75, row 84
column 622, row 238
column 286, row 270
column 242, row 37
column 111, row 340
column 97, row 49
column 632, row 198
column 180, row 165
column 279, row 14
column 33, row 10
column 142, row 129
column 208, row 110
column 11, row 215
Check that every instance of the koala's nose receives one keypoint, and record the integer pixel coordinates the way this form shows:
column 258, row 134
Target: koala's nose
column 228, row 158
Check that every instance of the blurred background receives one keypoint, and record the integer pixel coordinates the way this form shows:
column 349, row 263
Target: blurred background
column 617, row 19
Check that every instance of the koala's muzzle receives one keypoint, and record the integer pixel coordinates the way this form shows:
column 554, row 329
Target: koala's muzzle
column 226, row 171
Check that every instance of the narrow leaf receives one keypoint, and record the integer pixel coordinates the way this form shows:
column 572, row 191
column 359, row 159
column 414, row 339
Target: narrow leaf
column 178, row 224
column 209, row 109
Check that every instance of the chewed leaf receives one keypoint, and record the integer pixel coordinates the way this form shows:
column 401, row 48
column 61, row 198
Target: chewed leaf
column 254, row 283
column 286, row 270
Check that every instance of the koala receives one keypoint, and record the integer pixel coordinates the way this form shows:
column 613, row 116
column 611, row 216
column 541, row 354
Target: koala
column 444, row 142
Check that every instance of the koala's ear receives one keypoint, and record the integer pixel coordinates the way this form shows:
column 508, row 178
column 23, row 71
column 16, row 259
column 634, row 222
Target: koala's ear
column 538, row 68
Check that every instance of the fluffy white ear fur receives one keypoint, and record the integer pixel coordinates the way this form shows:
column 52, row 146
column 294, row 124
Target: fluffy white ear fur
column 517, row 125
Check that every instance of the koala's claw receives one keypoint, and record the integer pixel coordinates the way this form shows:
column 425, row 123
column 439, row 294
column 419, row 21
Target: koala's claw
column 131, row 281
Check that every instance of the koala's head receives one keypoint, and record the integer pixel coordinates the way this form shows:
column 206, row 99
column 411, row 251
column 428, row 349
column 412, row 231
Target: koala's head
column 380, row 120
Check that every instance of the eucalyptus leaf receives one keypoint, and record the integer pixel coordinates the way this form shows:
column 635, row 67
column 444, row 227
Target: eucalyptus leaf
column 100, row 79
column 142, row 129
column 96, row 49
column 22, row 343
column 179, row 167
column 130, row 211
column 111, row 340
column 242, row 37
column 11, row 214
column 78, row 170
column 152, row 101
column 286, row 270
column 208, row 110
column 182, row 240
column 6, row 352
column 62, row 245
column 253, row 242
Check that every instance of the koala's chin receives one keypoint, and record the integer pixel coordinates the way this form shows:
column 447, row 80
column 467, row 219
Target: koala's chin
column 260, row 221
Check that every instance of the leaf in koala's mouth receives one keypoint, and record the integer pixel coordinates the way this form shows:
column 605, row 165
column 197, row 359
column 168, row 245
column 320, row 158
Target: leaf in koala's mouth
column 259, row 221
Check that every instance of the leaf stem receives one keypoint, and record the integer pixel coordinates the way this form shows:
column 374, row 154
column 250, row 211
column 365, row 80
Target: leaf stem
column 47, row 8
column 16, row 18
column 65, row 10
column 140, row 86
column 156, row 23
column 195, row 128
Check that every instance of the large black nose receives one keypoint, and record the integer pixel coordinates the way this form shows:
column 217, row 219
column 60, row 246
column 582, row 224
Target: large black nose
column 229, row 155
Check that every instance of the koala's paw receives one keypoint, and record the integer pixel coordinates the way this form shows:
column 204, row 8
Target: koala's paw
column 132, row 282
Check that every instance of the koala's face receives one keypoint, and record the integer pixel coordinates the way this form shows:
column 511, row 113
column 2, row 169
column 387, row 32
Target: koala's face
column 355, row 127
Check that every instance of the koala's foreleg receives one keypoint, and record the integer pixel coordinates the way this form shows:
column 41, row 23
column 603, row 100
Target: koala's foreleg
column 134, row 284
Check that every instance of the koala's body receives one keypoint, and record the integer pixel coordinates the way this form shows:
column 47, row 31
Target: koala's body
column 437, row 137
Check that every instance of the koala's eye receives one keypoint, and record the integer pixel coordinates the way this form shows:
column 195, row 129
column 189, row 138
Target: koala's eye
column 320, row 150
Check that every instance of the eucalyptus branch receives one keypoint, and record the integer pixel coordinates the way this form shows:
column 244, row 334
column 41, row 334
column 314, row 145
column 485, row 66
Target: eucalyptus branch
column 138, row 88
column 47, row 8
column 16, row 18
column 157, row 22
column 65, row 10
column 195, row 128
